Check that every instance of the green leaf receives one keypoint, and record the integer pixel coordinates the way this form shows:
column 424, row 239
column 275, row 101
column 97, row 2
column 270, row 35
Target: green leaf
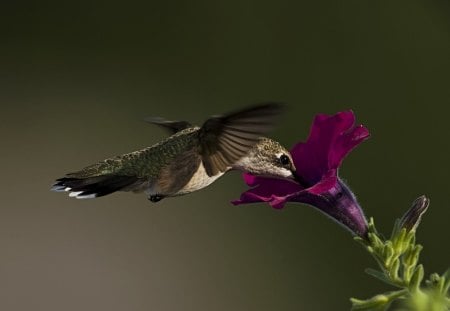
column 446, row 277
column 393, row 271
column 371, row 225
column 416, row 254
column 378, row 302
column 440, row 283
column 416, row 279
column 398, row 242
column 380, row 276
column 412, row 254
column 409, row 238
column 407, row 273
column 375, row 241
column 388, row 253
column 396, row 229
column 360, row 240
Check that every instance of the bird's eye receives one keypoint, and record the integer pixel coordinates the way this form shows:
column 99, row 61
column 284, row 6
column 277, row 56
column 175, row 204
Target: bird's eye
column 284, row 159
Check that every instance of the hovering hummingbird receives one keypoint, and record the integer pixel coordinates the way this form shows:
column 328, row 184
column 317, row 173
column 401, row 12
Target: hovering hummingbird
column 190, row 159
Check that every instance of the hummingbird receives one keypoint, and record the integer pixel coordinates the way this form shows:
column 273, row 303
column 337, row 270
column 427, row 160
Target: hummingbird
column 190, row 159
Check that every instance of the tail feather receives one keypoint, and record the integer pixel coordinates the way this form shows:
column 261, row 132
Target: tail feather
column 92, row 187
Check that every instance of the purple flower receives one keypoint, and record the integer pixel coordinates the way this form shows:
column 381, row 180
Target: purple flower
column 317, row 162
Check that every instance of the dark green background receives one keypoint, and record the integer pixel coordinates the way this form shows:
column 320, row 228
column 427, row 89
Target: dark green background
column 76, row 79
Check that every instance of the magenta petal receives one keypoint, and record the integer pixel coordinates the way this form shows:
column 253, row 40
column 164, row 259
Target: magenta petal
column 331, row 139
column 273, row 191
column 345, row 143
column 250, row 180
column 330, row 125
column 325, row 184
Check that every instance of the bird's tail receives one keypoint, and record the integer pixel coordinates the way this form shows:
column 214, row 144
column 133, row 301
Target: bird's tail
column 92, row 187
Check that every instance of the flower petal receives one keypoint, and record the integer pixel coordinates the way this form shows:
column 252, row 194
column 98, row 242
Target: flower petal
column 338, row 203
column 345, row 143
column 330, row 140
column 273, row 191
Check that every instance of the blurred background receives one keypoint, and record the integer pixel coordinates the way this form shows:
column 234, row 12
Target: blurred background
column 77, row 79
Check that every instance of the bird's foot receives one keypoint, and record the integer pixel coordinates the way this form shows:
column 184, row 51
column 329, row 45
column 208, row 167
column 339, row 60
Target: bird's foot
column 155, row 198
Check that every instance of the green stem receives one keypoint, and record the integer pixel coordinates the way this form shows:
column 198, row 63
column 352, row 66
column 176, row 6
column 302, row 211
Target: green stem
column 398, row 261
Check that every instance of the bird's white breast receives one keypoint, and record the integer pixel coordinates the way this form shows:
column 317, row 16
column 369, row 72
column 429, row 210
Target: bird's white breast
column 199, row 180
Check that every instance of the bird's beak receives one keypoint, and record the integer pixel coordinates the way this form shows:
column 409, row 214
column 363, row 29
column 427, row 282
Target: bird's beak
column 294, row 172
column 299, row 180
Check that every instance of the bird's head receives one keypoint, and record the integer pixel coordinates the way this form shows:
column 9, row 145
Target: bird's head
column 267, row 158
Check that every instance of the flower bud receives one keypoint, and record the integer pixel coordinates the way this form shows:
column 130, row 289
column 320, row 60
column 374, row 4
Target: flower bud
column 411, row 219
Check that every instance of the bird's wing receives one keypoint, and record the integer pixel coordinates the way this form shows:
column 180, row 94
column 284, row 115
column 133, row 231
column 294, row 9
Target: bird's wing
column 171, row 126
column 227, row 138
column 177, row 174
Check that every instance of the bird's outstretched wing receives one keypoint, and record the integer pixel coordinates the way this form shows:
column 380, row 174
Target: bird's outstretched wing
column 171, row 126
column 227, row 138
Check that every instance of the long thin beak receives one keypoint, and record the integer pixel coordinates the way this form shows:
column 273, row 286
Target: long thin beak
column 299, row 180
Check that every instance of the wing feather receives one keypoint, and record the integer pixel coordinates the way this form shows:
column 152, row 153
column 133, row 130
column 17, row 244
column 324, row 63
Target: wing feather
column 225, row 139
column 171, row 127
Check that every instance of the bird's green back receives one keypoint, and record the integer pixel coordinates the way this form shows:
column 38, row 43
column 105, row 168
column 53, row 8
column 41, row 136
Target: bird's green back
column 144, row 163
